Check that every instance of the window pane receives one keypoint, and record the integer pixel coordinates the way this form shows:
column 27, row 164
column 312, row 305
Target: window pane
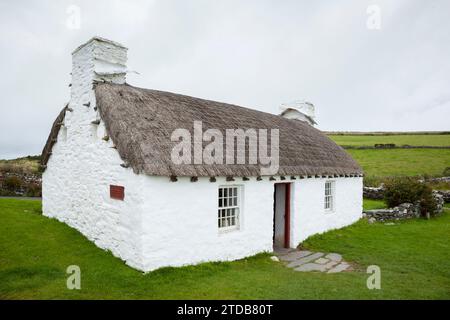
column 228, row 207
column 328, row 201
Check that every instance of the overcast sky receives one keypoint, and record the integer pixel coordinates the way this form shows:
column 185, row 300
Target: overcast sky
column 362, row 73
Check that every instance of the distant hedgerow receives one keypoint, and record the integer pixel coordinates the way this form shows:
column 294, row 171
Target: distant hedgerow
column 12, row 183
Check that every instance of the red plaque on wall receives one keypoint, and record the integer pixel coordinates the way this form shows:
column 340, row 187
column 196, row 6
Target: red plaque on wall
column 116, row 192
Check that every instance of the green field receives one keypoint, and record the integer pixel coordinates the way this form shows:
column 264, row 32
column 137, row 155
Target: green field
column 379, row 163
column 399, row 140
column 35, row 252
column 398, row 162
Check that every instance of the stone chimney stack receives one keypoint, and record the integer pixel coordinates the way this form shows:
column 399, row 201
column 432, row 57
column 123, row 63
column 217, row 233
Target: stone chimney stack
column 299, row 110
column 97, row 60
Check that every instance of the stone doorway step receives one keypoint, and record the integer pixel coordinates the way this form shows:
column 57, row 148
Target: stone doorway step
column 304, row 260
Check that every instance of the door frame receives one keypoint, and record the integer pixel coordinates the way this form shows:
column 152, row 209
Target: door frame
column 287, row 212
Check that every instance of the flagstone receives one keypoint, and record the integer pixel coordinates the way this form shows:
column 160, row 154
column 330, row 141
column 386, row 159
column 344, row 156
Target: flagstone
column 305, row 260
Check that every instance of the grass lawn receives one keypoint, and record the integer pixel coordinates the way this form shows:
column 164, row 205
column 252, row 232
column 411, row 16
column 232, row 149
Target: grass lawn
column 35, row 252
column 370, row 204
column 408, row 162
column 399, row 140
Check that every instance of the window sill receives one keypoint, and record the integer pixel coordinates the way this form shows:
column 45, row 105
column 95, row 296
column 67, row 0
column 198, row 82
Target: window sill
column 228, row 230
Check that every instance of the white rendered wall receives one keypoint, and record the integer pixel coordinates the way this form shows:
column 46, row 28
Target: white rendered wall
column 310, row 216
column 180, row 218
column 180, row 222
column 75, row 185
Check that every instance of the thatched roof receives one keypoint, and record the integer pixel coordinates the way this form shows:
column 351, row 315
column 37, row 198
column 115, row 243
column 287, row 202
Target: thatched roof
column 52, row 137
column 140, row 123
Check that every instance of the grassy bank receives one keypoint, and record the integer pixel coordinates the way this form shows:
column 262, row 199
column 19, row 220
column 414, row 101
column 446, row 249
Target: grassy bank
column 35, row 252
column 399, row 140
column 28, row 164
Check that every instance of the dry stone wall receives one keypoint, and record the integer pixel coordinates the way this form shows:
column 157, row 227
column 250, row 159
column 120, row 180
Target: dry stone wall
column 403, row 211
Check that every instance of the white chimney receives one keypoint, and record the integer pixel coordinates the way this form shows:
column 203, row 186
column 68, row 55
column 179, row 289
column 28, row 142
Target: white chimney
column 97, row 60
column 299, row 110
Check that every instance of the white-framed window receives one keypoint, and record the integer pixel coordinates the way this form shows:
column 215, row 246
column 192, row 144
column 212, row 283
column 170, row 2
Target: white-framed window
column 329, row 195
column 229, row 207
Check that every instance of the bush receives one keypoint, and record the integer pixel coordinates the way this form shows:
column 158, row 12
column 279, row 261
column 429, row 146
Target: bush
column 406, row 189
column 446, row 172
column 12, row 183
column 6, row 193
column 6, row 167
column 33, row 190
column 373, row 181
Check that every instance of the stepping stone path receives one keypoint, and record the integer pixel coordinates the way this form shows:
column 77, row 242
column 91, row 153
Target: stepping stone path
column 303, row 260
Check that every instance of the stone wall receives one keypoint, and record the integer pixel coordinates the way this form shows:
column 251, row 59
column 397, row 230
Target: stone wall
column 375, row 193
column 440, row 179
column 392, row 146
column 439, row 198
column 445, row 195
column 29, row 184
column 403, row 211
column 168, row 239
column 83, row 165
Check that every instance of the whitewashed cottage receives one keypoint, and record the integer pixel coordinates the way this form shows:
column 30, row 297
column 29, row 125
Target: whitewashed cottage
column 108, row 173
